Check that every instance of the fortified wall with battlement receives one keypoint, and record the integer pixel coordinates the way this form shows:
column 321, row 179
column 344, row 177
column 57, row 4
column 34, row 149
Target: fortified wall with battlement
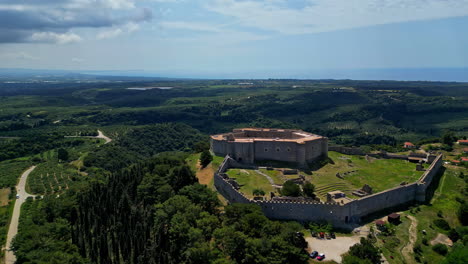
column 340, row 215
column 248, row 145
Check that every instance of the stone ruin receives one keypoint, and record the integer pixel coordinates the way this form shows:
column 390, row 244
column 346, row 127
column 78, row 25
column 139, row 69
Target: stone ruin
column 364, row 191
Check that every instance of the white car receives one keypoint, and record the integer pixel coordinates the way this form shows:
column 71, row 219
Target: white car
column 17, row 196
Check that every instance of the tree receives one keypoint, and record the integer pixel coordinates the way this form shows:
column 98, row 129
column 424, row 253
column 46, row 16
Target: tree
column 181, row 176
column 448, row 138
column 459, row 255
column 62, row 154
column 205, row 158
column 463, row 213
column 441, row 249
column 291, row 189
column 258, row 192
column 309, row 189
column 365, row 250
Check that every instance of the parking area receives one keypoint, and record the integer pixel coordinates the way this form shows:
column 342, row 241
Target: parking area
column 333, row 248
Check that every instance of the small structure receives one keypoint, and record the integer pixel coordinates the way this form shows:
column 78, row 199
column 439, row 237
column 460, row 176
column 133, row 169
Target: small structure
column 364, row 191
column 380, row 225
column 409, row 145
column 455, row 162
column 465, row 150
column 394, row 218
column 338, row 197
column 419, row 167
column 462, row 141
column 331, row 196
column 464, row 159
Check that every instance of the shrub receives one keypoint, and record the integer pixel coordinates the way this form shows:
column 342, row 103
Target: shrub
column 291, row 189
column 424, row 241
column 258, row 192
column 442, row 224
column 440, row 249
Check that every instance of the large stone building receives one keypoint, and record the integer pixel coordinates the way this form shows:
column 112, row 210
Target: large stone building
column 248, row 145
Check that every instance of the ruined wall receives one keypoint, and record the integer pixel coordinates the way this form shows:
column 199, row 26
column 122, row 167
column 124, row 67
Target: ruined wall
column 346, row 150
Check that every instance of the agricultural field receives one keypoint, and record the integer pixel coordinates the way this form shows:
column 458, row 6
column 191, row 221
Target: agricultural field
column 52, row 176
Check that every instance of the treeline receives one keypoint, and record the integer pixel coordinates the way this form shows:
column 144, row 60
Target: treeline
column 142, row 143
column 156, row 212
column 35, row 144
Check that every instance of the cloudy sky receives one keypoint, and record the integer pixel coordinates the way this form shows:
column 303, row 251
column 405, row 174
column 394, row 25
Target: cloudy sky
column 217, row 37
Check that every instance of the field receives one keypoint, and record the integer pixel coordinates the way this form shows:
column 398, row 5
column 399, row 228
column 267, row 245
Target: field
column 249, row 180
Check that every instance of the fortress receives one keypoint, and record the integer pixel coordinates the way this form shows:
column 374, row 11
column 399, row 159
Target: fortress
column 243, row 147
column 248, row 145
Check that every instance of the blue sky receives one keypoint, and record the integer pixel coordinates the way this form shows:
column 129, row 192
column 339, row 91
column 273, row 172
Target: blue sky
column 224, row 38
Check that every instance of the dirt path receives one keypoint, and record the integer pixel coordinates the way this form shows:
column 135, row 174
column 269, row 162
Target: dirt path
column 407, row 251
column 10, row 257
column 205, row 175
column 101, row 135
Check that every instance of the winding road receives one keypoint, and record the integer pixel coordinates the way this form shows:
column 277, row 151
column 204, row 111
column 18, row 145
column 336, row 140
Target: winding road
column 10, row 257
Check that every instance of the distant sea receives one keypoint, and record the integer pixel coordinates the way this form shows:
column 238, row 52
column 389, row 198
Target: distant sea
column 395, row 74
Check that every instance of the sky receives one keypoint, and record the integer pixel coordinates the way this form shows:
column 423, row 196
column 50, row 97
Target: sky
column 233, row 38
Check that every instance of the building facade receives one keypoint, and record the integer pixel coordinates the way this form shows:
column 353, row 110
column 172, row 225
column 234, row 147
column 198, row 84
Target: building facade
column 248, row 145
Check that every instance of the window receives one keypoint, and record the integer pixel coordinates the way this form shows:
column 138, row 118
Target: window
column 288, row 149
column 277, row 149
column 266, row 149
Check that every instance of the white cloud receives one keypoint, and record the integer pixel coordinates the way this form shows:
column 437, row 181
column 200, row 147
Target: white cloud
column 114, row 32
column 195, row 26
column 52, row 37
column 21, row 55
column 330, row 15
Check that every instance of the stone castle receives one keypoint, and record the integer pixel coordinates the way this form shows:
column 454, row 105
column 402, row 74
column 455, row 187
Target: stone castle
column 243, row 147
column 248, row 145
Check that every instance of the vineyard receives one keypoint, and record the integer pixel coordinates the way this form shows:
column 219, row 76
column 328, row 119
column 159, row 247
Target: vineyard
column 51, row 176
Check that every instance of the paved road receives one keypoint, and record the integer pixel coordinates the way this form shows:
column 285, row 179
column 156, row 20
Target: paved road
column 10, row 257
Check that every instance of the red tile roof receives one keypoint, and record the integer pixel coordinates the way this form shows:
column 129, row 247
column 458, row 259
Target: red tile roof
column 463, row 141
column 455, row 161
column 464, row 159
column 409, row 144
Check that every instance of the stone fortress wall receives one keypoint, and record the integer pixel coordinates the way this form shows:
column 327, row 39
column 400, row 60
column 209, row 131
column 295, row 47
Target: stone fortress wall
column 254, row 144
column 340, row 215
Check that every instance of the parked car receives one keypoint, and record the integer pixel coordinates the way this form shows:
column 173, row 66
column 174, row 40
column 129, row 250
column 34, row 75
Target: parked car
column 17, row 196
column 322, row 234
column 327, row 236
column 333, row 235
column 314, row 234
column 314, row 254
column 321, row 256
